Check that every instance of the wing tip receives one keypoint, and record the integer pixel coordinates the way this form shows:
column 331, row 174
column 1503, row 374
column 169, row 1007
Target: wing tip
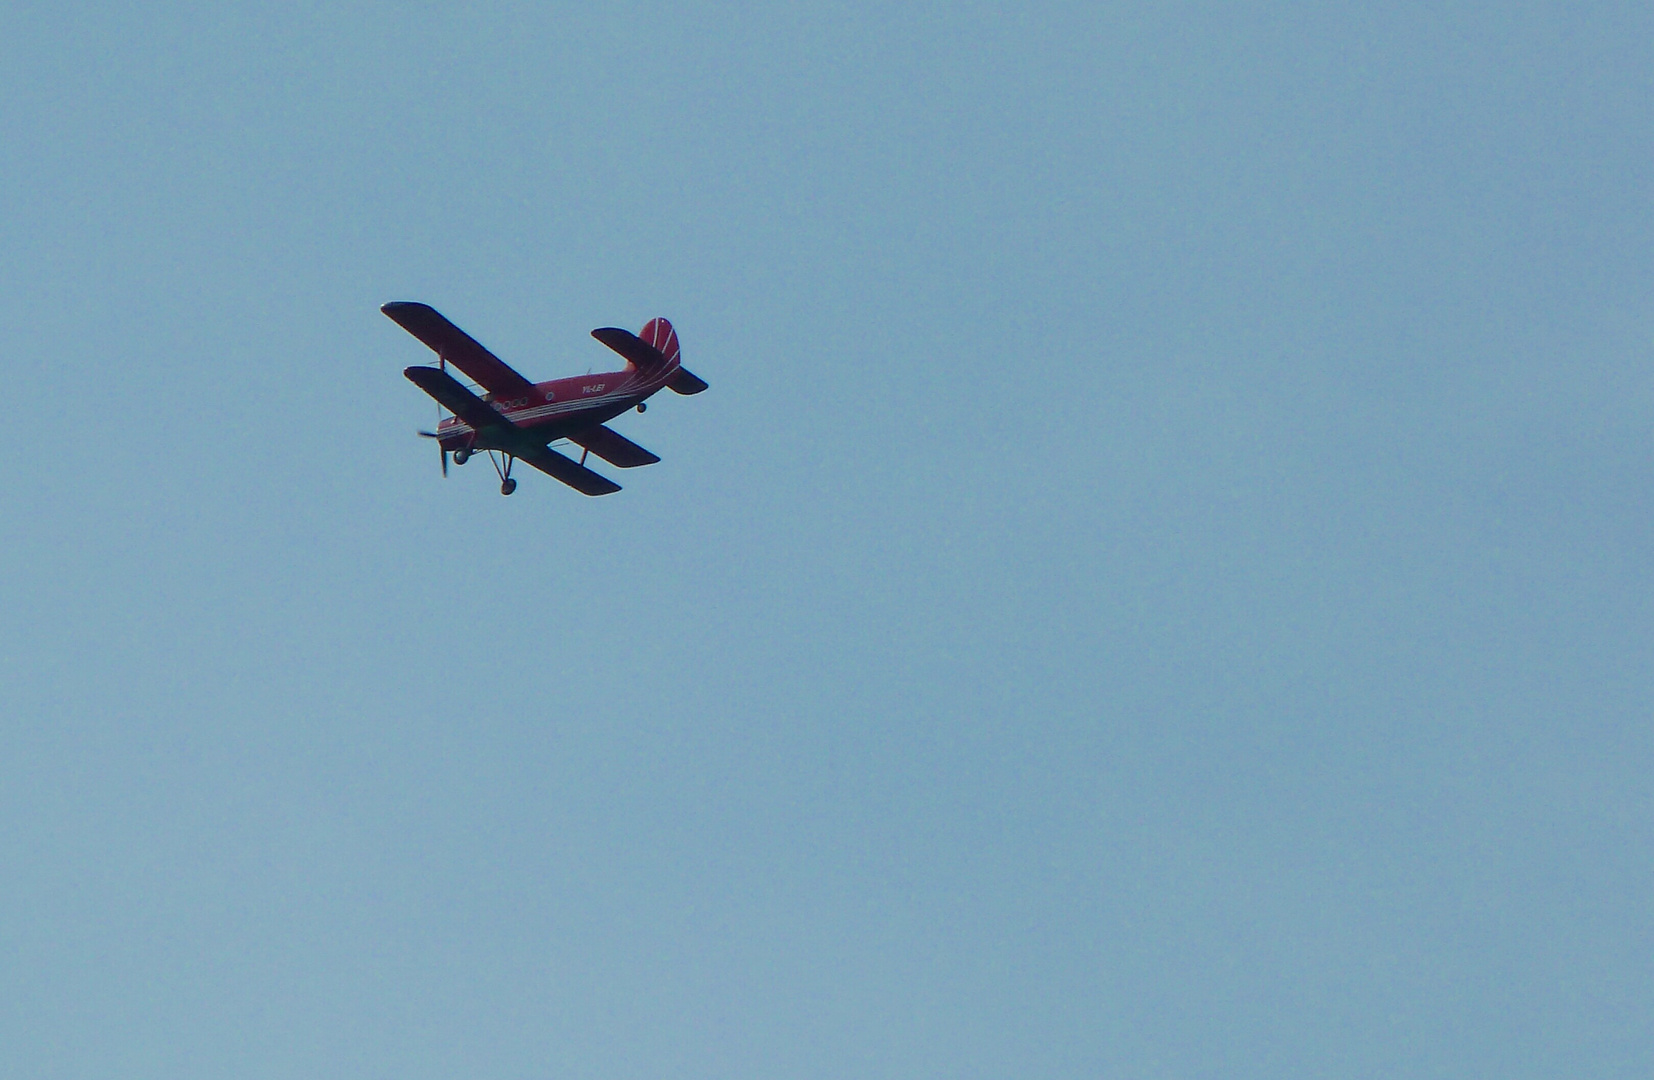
column 592, row 485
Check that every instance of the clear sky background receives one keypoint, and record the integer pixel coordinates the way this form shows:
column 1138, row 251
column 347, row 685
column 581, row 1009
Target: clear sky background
column 1159, row 585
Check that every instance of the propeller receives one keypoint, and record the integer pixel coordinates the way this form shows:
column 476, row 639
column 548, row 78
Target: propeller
column 442, row 362
column 440, row 447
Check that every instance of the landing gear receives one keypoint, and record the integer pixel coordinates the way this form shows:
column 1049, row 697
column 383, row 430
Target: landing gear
column 461, row 456
column 642, row 406
column 507, row 485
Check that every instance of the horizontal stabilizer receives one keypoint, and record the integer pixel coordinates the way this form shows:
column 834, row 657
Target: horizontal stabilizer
column 613, row 447
column 572, row 473
column 686, row 382
column 453, row 396
column 642, row 354
column 656, row 345
column 458, row 348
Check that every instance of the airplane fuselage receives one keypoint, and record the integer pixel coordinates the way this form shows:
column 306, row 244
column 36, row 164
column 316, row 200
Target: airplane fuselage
column 559, row 408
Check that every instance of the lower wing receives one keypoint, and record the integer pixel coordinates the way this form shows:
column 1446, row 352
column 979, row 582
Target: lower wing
column 572, row 473
column 453, row 395
column 613, row 447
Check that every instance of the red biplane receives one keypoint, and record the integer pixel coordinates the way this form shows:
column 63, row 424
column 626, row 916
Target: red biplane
column 518, row 419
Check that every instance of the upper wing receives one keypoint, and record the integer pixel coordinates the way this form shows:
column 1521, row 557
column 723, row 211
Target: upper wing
column 455, row 397
column 572, row 473
column 458, row 348
column 613, row 447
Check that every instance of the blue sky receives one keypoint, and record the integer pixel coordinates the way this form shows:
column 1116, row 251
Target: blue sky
column 1159, row 585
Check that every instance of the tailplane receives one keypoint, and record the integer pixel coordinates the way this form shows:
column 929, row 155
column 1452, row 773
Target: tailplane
column 684, row 381
column 656, row 347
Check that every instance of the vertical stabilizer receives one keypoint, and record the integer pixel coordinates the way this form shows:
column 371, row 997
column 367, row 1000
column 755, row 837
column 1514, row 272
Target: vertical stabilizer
column 659, row 333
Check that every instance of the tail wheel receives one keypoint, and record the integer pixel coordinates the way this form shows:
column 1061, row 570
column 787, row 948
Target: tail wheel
column 508, row 486
column 461, row 456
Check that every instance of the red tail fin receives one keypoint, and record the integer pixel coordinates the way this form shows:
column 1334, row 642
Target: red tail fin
column 659, row 333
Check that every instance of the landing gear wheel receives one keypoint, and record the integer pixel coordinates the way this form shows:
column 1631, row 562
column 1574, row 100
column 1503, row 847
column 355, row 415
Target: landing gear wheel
column 508, row 487
column 461, row 456
column 642, row 407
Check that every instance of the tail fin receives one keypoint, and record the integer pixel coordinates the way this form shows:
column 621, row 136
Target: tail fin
column 657, row 344
column 659, row 334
